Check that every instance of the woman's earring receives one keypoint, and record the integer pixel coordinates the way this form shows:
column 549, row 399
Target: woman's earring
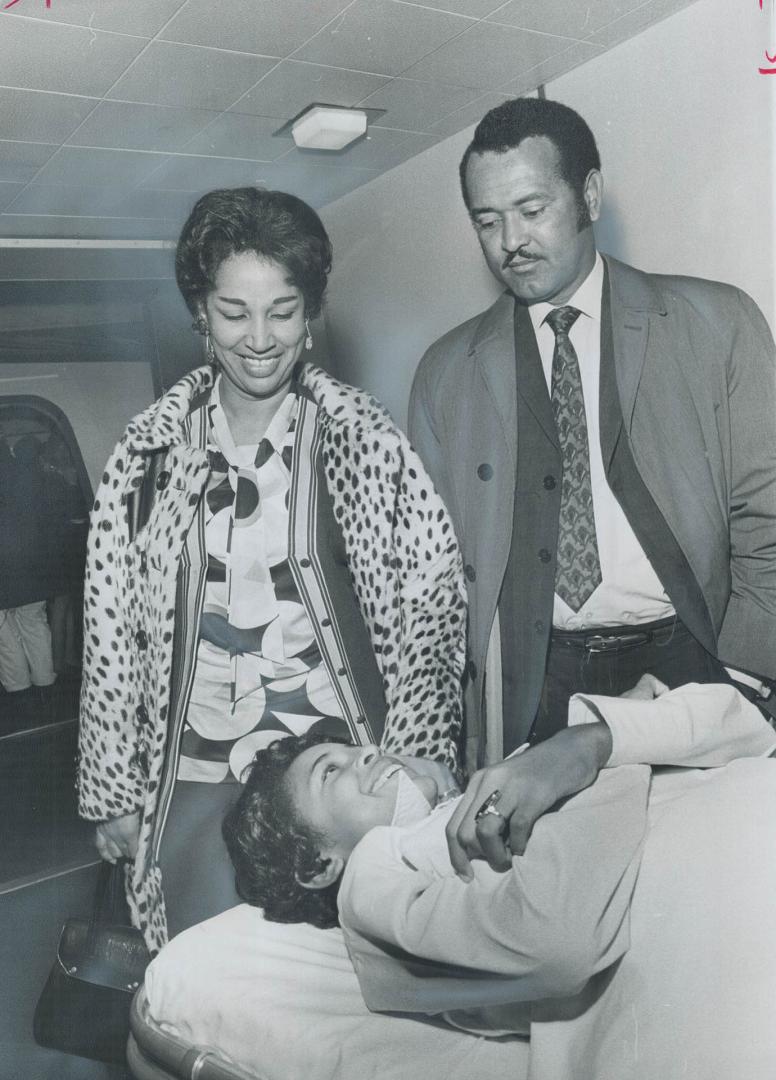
column 199, row 326
column 212, row 359
column 308, row 341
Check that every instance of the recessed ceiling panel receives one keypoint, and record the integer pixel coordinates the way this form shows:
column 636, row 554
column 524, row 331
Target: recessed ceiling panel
column 39, row 117
column 133, row 126
column 268, row 27
column 382, row 36
column 141, row 17
column 235, row 135
column 561, row 17
column 21, row 161
column 75, row 164
column 414, row 105
column 487, row 56
column 38, row 55
column 291, row 86
column 190, row 76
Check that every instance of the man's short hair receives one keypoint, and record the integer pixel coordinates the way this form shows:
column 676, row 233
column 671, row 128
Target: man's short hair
column 271, row 847
column 505, row 127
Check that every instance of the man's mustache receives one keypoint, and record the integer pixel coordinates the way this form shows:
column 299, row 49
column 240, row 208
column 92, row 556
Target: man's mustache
column 518, row 256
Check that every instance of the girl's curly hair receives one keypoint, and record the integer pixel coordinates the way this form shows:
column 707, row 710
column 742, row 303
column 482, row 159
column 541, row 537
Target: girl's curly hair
column 271, row 847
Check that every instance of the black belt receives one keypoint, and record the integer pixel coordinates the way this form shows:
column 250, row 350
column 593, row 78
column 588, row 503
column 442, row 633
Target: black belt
column 609, row 639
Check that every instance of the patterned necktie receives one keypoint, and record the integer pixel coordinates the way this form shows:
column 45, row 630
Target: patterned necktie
column 578, row 571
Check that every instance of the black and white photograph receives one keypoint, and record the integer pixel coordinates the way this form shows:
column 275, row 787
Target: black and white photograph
column 387, row 539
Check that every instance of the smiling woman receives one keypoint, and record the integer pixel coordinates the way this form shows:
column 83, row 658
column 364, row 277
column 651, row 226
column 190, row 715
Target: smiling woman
column 251, row 525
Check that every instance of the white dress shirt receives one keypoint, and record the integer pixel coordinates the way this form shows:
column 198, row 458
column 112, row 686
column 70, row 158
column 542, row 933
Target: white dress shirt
column 630, row 591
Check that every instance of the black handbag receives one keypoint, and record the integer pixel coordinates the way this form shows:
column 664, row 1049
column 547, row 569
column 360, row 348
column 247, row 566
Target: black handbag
column 84, row 1007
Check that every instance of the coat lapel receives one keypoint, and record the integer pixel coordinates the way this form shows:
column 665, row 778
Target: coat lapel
column 633, row 301
column 493, row 349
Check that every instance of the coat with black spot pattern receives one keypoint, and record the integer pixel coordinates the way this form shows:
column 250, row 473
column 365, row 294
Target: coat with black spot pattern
column 412, row 602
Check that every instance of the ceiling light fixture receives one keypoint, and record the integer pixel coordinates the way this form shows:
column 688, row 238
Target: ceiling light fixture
column 325, row 127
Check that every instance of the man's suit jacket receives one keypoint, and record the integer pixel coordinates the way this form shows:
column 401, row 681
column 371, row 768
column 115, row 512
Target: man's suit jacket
column 696, row 377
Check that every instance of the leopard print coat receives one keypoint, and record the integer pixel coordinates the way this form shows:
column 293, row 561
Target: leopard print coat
column 405, row 569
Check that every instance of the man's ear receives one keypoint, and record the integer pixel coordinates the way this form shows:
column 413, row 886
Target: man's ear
column 593, row 194
column 326, row 872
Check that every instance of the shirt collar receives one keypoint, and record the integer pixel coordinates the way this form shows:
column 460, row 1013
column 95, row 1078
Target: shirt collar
column 587, row 298
column 275, row 434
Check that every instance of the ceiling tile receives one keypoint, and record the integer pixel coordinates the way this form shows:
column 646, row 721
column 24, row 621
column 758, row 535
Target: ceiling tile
column 576, row 54
column 39, row 117
column 268, row 27
column 487, row 56
column 76, row 165
column 181, row 173
column 64, row 199
column 416, row 105
column 382, row 36
column 133, row 126
column 149, row 203
column 238, row 136
column 37, row 56
column 470, row 114
column 204, row 78
column 8, row 193
column 478, row 9
column 291, row 86
column 20, row 161
column 561, row 17
column 142, row 17
column 317, row 185
column 637, row 20
column 86, row 228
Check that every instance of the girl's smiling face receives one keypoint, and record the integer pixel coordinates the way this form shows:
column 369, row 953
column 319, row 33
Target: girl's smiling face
column 341, row 792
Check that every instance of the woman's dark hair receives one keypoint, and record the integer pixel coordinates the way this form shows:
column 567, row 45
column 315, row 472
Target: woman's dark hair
column 505, row 127
column 272, row 224
column 271, row 848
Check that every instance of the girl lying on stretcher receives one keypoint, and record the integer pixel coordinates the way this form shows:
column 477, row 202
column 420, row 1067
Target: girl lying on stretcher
column 624, row 906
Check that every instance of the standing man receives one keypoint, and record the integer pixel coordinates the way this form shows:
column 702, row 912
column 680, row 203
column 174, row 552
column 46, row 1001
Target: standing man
column 606, row 442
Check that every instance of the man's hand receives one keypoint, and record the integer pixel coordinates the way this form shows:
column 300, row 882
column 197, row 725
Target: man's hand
column 117, row 837
column 646, row 689
column 530, row 784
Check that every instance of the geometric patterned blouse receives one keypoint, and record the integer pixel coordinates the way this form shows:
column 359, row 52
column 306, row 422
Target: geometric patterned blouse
column 258, row 673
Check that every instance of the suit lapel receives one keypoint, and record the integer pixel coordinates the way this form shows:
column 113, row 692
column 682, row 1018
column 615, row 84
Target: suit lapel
column 633, row 300
column 531, row 383
column 493, row 349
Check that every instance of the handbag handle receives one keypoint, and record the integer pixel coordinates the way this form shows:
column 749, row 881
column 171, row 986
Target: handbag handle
column 107, row 894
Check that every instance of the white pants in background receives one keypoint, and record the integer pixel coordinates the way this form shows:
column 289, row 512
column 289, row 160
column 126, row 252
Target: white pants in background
column 25, row 647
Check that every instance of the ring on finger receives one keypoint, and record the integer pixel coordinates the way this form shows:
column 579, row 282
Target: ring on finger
column 489, row 806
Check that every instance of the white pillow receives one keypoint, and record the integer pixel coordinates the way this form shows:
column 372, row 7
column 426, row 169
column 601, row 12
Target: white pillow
column 283, row 1001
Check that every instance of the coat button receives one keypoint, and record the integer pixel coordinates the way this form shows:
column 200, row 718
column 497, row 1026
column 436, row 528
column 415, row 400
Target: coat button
column 550, row 483
column 472, row 669
column 141, row 639
column 544, row 555
column 326, row 621
column 485, row 471
column 470, row 572
column 539, row 626
column 304, row 563
column 162, row 480
column 342, row 672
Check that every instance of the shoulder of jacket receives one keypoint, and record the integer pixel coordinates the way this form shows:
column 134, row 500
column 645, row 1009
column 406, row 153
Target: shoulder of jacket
column 446, row 357
column 351, row 408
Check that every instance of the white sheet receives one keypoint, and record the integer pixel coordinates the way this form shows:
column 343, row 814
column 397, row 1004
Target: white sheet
column 284, row 1002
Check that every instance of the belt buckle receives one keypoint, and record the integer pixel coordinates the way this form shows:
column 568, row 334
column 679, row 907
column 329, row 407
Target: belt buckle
column 597, row 643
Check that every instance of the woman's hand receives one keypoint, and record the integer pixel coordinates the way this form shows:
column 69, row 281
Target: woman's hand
column 117, row 837
column 528, row 785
